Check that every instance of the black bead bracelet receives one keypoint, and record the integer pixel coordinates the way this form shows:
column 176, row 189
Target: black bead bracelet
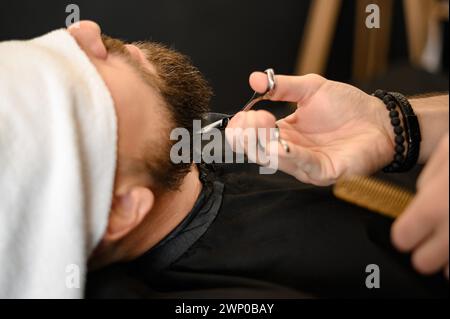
column 409, row 126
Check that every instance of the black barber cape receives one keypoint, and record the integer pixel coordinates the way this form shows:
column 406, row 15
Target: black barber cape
column 267, row 236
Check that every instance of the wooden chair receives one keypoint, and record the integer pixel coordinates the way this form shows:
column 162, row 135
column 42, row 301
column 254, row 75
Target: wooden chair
column 424, row 32
column 371, row 46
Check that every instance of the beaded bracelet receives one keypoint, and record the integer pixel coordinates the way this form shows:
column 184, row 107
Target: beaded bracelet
column 409, row 126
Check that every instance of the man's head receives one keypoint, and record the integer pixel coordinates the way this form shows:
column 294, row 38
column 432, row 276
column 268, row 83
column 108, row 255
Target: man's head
column 155, row 90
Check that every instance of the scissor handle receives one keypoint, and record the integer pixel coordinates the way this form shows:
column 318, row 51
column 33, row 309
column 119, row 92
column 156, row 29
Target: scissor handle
column 258, row 97
column 272, row 84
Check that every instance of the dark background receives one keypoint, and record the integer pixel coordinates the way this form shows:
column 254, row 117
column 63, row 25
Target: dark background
column 226, row 39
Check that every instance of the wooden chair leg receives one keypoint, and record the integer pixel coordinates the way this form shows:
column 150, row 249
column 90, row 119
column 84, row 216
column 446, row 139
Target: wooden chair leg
column 371, row 46
column 319, row 32
column 417, row 14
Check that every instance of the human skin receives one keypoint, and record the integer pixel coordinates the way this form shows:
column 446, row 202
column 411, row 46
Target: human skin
column 423, row 228
column 338, row 130
column 137, row 209
column 321, row 153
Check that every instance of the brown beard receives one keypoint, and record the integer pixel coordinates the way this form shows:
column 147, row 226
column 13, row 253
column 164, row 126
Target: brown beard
column 185, row 95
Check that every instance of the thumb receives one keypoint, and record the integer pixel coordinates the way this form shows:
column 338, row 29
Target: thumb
column 288, row 88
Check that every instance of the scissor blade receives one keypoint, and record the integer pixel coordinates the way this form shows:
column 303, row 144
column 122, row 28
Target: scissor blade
column 209, row 127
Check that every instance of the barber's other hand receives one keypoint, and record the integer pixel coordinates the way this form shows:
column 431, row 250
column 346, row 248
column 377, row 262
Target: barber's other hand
column 423, row 227
column 336, row 129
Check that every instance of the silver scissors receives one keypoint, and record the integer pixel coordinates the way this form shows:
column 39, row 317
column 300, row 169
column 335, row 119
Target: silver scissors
column 257, row 97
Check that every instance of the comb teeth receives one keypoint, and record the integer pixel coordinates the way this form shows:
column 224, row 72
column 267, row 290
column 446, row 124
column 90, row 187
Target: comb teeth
column 373, row 194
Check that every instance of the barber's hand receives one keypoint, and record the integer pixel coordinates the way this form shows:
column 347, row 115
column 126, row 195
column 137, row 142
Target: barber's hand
column 336, row 129
column 423, row 227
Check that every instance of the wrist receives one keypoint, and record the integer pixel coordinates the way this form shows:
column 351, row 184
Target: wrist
column 406, row 128
column 432, row 114
column 383, row 122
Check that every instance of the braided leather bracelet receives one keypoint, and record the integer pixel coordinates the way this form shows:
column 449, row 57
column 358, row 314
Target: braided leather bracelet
column 412, row 130
column 402, row 162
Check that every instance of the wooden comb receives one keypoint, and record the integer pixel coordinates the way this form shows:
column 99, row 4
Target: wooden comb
column 376, row 195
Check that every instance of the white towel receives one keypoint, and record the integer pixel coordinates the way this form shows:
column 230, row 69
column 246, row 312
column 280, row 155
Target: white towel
column 58, row 137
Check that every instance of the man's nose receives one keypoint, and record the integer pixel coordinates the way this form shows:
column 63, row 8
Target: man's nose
column 88, row 36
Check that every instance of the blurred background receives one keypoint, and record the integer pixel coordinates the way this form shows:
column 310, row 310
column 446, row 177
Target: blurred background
column 227, row 40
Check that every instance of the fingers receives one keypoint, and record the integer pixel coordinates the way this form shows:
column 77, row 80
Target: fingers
column 436, row 163
column 255, row 128
column 288, row 88
column 414, row 225
column 432, row 255
column 244, row 130
column 423, row 228
column 253, row 120
column 258, row 81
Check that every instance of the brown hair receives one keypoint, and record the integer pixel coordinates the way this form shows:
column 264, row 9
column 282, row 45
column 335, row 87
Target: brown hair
column 186, row 95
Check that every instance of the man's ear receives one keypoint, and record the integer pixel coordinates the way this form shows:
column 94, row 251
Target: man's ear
column 128, row 211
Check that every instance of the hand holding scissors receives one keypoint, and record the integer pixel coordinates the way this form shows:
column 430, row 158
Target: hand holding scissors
column 257, row 97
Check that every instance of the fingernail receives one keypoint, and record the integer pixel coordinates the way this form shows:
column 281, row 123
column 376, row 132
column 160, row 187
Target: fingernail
column 260, row 144
column 275, row 134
